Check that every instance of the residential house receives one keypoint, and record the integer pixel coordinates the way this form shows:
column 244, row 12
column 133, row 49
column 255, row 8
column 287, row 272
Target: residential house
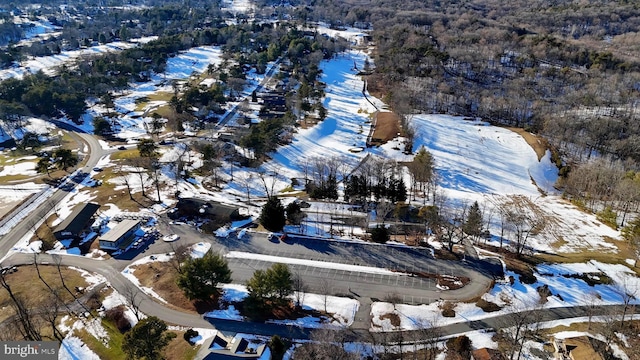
column 223, row 348
column 194, row 207
column 575, row 348
column 78, row 224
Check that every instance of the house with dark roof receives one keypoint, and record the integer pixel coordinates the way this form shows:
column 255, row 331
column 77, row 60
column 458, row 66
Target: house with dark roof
column 194, row 207
column 238, row 347
column 78, row 223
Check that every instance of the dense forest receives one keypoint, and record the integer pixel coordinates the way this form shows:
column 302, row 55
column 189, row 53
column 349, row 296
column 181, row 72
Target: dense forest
column 568, row 70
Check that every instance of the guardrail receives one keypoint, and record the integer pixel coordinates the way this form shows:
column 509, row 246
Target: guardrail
column 19, row 213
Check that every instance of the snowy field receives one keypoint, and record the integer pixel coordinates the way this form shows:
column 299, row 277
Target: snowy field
column 566, row 291
column 474, row 161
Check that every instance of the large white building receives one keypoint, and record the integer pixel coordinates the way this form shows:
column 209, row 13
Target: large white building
column 120, row 236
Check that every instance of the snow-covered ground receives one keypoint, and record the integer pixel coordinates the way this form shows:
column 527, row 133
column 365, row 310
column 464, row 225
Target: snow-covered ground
column 342, row 309
column 49, row 64
column 562, row 280
column 474, row 161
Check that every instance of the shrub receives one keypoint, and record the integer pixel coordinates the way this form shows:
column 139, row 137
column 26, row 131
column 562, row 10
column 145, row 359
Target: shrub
column 544, row 293
column 116, row 315
column 189, row 335
column 487, row 306
column 448, row 309
column 460, row 345
column 380, row 234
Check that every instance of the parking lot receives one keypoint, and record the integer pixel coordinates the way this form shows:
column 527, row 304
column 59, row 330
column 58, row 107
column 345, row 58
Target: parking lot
column 345, row 282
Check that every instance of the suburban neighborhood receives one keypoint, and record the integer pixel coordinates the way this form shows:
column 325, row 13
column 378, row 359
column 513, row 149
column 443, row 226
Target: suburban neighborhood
column 239, row 182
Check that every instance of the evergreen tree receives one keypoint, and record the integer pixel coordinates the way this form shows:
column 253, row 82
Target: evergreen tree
column 473, row 224
column 101, row 126
column 380, row 234
column 272, row 216
column 401, row 191
column 147, row 339
column 199, row 278
column 64, row 159
column 295, row 213
column 148, row 148
column 278, row 347
column 268, row 289
column 43, row 165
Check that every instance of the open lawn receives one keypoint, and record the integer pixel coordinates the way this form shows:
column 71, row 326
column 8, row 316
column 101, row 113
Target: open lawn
column 106, row 194
column 178, row 348
column 387, row 127
column 25, row 284
column 161, row 277
column 111, row 349
column 142, row 103
column 125, row 154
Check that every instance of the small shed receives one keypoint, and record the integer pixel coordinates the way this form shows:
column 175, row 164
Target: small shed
column 76, row 224
column 120, row 236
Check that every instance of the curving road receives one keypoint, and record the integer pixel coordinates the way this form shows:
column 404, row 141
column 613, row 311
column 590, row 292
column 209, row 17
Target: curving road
column 26, row 224
column 365, row 287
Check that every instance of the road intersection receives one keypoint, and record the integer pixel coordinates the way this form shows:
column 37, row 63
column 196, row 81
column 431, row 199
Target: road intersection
column 366, row 287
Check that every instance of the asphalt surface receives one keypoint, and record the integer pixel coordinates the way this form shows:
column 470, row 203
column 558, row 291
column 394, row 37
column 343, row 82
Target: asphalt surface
column 25, row 225
column 366, row 287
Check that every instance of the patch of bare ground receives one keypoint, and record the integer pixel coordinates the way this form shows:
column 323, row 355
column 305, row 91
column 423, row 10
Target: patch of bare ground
column 179, row 348
column 375, row 87
column 393, row 318
column 537, row 143
column 106, row 194
column 308, row 122
column 446, row 281
column 387, row 127
column 161, row 277
column 487, row 306
column 26, row 285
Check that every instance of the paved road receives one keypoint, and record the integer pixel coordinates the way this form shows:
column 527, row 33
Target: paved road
column 399, row 259
column 26, row 224
column 118, row 281
column 365, row 287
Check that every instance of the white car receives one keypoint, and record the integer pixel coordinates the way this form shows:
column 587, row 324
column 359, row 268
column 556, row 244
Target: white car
column 171, row 237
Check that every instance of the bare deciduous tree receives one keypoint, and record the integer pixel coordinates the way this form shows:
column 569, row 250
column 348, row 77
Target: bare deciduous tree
column 25, row 322
column 299, row 289
column 134, row 298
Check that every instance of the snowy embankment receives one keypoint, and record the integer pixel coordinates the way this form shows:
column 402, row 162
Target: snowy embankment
column 564, row 282
column 342, row 310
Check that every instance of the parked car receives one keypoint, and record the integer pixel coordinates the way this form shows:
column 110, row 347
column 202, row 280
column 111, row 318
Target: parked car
column 170, row 237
